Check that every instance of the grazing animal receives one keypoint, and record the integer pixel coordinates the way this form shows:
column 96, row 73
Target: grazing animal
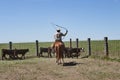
column 59, row 49
column 45, row 50
column 21, row 52
column 5, row 52
column 14, row 53
column 73, row 52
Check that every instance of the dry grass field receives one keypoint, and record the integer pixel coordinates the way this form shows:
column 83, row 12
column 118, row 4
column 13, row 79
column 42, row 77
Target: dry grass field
column 33, row 68
column 47, row 69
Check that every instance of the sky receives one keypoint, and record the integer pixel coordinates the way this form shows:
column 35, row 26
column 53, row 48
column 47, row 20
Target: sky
column 31, row 20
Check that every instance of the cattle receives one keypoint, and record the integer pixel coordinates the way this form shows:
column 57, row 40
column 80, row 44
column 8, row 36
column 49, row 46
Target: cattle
column 45, row 50
column 8, row 52
column 21, row 52
column 68, row 52
column 73, row 52
column 14, row 53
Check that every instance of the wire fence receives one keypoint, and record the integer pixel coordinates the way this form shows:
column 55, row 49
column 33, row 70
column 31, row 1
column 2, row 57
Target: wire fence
column 92, row 47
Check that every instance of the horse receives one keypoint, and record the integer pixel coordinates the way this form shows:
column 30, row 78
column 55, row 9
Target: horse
column 59, row 49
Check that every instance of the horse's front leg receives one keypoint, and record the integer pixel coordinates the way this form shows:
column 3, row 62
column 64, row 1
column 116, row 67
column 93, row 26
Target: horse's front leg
column 63, row 60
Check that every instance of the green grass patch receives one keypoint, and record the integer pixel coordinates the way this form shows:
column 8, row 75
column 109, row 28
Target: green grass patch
column 97, row 47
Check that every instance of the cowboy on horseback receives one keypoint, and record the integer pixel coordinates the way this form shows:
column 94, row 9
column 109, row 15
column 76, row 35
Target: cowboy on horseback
column 58, row 46
column 58, row 36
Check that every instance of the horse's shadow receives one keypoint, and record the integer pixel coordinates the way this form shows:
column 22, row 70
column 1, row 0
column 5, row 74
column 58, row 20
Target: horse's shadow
column 71, row 63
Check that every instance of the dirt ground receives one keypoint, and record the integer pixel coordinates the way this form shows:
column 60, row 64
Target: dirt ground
column 47, row 69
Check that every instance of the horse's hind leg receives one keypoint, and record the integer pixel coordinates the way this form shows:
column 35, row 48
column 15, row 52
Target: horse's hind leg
column 57, row 61
column 60, row 62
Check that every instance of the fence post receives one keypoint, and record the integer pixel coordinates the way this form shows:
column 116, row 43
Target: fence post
column 77, row 46
column 106, row 46
column 89, row 46
column 77, row 42
column 10, row 45
column 70, row 43
column 37, row 47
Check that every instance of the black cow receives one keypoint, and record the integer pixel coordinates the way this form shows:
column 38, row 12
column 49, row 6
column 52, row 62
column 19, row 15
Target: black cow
column 8, row 52
column 45, row 50
column 14, row 53
column 73, row 52
column 21, row 52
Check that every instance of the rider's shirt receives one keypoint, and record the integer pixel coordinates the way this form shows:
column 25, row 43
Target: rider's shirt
column 58, row 36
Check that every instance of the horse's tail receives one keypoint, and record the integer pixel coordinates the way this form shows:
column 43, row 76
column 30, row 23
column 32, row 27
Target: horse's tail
column 59, row 51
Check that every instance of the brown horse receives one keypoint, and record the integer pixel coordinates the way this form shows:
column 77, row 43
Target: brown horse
column 59, row 48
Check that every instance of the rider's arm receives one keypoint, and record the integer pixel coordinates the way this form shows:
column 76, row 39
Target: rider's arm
column 65, row 33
